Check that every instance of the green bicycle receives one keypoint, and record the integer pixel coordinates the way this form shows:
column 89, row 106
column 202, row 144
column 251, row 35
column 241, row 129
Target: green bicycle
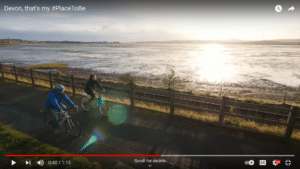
column 99, row 103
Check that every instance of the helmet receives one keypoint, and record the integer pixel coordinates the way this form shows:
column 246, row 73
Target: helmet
column 59, row 87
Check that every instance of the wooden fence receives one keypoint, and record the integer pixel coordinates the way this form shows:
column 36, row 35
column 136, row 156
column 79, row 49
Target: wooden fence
column 171, row 99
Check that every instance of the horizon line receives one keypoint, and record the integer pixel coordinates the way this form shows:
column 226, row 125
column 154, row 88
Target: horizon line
column 155, row 41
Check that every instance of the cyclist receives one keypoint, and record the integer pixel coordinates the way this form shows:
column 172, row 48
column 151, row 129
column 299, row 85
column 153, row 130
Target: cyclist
column 89, row 88
column 54, row 104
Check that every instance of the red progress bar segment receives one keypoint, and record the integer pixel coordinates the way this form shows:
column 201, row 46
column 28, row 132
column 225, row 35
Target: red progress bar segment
column 83, row 155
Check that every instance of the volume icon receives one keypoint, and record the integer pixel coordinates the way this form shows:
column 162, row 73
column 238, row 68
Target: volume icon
column 41, row 162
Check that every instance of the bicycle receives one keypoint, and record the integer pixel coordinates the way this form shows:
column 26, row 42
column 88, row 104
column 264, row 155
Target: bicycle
column 70, row 123
column 99, row 103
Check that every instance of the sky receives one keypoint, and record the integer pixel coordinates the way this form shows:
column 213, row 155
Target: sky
column 134, row 21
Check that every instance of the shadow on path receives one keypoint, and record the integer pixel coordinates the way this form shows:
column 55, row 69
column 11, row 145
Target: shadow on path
column 139, row 134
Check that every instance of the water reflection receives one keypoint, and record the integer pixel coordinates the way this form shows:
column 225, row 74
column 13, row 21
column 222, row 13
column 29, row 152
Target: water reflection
column 213, row 63
column 194, row 62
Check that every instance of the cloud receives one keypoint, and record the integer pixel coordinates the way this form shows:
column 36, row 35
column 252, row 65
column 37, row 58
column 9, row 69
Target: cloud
column 55, row 15
column 13, row 28
column 18, row 28
column 93, row 26
column 78, row 28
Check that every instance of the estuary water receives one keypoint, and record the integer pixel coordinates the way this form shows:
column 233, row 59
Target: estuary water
column 213, row 63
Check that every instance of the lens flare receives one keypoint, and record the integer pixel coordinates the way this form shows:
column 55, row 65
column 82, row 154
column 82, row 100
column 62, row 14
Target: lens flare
column 95, row 137
column 117, row 115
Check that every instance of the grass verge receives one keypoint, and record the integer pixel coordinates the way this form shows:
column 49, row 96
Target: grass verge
column 48, row 66
column 15, row 142
column 8, row 43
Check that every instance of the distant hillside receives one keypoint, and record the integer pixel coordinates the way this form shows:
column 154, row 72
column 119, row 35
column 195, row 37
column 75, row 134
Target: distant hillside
column 231, row 41
column 288, row 40
column 234, row 41
column 5, row 40
column 26, row 41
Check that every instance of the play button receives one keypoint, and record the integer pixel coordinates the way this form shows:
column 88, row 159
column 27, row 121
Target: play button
column 13, row 162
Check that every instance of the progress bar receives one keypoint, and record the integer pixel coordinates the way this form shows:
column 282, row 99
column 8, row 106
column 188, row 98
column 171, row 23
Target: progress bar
column 278, row 155
column 83, row 155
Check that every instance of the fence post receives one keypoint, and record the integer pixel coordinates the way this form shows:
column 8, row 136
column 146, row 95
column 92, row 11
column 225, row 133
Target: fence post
column 284, row 98
column 291, row 122
column 221, row 91
column 32, row 79
column 50, row 77
column 73, row 85
column 1, row 69
column 16, row 75
column 172, row 104
column 132, row 97
column 221, row 114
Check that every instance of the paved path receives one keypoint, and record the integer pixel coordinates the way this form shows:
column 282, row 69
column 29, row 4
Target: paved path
column 140, row 134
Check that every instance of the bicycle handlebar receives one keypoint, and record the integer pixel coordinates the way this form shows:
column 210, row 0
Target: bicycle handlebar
column 66, row 110
column 100, row 92
column 71, row 108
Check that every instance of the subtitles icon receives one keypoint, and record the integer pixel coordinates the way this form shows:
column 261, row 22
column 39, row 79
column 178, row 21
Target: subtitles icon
column 276, row 162
column 263, row 162
column 251, row 162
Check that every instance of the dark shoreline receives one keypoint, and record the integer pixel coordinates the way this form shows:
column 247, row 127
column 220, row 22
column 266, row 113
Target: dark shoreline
column 261, row 88
column 263, row 83
column 255, row 88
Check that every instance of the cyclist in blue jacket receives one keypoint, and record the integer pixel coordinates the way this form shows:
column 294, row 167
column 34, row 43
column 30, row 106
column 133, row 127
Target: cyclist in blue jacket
column 54, row 104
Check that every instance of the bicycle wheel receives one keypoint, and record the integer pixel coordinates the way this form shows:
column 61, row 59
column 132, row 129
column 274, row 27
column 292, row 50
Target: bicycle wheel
column 73, row 127
column 48, row 119
column 105, row 109
column 85, row 103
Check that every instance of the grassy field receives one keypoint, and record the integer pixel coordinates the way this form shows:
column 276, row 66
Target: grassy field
column 5, row 43
column 15, row 142
column 234, row 121
column 48, row 66
column 9, row 43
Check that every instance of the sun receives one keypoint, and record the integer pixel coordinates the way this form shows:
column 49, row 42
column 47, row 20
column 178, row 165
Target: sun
column 213, row 60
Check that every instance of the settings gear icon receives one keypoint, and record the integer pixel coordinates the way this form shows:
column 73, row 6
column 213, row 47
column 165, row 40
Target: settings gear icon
column 276, row 162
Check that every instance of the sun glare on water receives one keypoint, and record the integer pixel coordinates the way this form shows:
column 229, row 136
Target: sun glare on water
column 212, row 61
